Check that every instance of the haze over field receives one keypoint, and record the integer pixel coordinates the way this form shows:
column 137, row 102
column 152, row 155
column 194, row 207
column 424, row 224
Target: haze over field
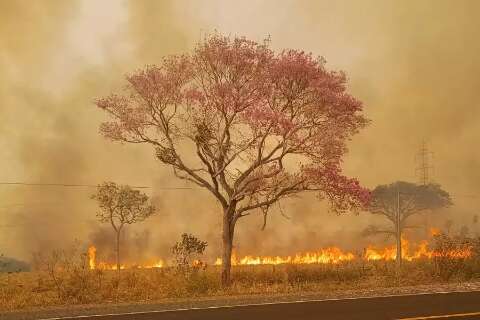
column 415, row 65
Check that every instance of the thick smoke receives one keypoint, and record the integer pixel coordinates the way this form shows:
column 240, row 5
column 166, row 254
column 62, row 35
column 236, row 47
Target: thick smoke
column 416, row 66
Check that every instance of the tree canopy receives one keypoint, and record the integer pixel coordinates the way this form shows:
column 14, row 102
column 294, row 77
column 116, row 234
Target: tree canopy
column 243, row 110
column 411, row 197
column 120, row 205
column 400, row 200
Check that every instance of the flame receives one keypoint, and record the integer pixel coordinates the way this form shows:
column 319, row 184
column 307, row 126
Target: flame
column 434, row 232
column 331, row 255
column 412, row 252
column 159, row 263
column 91, row 257
column 388, row 253
column 334, row 255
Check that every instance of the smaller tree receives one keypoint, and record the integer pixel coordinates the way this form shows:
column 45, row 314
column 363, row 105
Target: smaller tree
column 119, row 206
column 399, row 201
column 186, row 249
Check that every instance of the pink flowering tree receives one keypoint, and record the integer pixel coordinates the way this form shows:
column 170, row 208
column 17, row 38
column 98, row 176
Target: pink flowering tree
column 250, row 125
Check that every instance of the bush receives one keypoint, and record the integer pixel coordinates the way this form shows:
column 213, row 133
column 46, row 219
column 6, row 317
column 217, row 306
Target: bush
column 451, row 255
column 186, row 250
column 70, row 275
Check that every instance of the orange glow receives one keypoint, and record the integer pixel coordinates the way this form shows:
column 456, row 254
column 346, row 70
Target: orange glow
column 411, row 252
column 331, row 255
column 91, row 257
column 93, row 264
column 158, row 264
column 334, row 255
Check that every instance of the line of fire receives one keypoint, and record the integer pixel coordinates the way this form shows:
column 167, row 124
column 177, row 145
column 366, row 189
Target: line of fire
column 328, row 255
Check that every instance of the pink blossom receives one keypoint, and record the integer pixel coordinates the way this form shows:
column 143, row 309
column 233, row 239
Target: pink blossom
column 234, row 98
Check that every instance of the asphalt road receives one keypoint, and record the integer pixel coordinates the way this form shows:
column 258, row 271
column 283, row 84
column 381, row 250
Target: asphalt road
column 456, row 305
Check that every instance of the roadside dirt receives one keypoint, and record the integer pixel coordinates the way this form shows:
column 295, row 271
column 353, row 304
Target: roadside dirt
column 170, row 304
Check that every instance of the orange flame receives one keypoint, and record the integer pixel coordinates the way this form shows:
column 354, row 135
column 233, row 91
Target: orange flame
column 417, row 252
column 91, row 257
column 434, row 231
column 334, row 255
column 331, row 255
column 159, row 263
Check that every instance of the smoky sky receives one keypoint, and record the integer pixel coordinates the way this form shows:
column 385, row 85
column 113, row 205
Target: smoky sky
column 414, row 64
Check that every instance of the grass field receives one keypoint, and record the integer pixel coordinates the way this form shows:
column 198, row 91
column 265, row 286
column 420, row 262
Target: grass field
column 65, row 278
column 76, row 284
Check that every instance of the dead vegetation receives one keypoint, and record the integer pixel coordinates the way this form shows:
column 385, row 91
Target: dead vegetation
column 63, row 278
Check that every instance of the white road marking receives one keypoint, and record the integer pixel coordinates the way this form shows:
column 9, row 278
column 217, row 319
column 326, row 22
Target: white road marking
column 261, row 304
column 456, row 315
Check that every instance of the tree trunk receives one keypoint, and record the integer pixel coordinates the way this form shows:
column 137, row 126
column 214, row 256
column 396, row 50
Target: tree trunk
column 118, row 250
column 227, row 237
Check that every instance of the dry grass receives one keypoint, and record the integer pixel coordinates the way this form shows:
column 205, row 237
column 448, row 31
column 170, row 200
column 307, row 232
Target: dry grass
column 64, row 279
column 40, row 289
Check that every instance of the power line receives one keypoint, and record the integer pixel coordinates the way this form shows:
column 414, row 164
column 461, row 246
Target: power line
column 136, row 187
column 59, row 185
column 85, row 185
column 22, row 204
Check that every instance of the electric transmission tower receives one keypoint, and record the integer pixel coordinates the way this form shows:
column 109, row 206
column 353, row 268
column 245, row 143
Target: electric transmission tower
column 424, row 173
column 424, row 162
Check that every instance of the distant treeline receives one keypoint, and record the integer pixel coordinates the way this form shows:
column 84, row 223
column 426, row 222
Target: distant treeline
column 12, row 265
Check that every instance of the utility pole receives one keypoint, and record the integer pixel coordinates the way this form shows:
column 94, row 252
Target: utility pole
column 424, row 161
column 398, row 259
